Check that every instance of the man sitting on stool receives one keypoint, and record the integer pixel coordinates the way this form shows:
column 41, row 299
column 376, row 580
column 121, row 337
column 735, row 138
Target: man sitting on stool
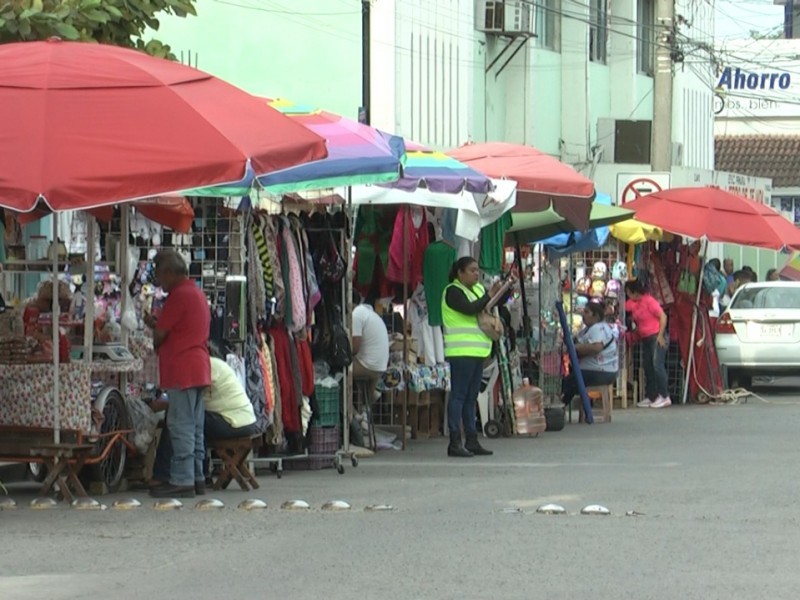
column 370, row 351
column 596, row 347
column 228, row 414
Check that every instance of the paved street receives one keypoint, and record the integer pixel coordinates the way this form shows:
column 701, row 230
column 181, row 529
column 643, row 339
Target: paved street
column 717, row 488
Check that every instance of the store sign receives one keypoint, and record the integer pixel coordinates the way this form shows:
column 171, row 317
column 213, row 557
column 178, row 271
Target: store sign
column 737, row 79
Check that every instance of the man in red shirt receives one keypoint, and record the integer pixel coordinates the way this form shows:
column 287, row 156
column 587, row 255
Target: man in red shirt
column 180, row 336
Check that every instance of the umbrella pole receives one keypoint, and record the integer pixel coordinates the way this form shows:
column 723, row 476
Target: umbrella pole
column 693, row 336
column 526, row 318
column 347, row 244
column 56, row 338
column 406, row 304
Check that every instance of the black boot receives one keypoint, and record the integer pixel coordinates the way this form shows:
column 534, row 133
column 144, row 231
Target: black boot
column 455, row 448
column 474, row 446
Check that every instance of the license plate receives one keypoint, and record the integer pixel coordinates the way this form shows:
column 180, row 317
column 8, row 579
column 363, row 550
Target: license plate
column 769, row 331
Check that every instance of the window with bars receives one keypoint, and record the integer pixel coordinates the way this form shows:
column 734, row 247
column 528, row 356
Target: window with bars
column 646, row 34
column 598, row 31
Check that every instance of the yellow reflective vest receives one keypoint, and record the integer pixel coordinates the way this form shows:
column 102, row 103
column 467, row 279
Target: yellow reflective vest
column 462, row 336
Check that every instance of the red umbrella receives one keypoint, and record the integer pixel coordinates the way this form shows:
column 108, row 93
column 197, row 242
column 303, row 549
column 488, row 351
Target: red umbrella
column 89, row 125
column 717, row 216
column 542, row 180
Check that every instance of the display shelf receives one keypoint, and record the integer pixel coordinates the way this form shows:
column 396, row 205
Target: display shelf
column 46, row 266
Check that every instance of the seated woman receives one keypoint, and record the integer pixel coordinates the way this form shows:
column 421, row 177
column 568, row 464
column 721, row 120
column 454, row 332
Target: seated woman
column 228, row 414
column 596, row 347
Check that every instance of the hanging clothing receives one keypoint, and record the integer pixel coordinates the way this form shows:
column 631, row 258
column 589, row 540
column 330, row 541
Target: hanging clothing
column 437, row 262
column 264, row 259
column 255, row 383
column 294, row 280
column 306, row 366
column 290, row 389
column 430, row 343
column 314, row 294
column 493, row 245
column 275, row 432
column 257, row 305
column 372, row 241
column 409, row 241
column 279, row 289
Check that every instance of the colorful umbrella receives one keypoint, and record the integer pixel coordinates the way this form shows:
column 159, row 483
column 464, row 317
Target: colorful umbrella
column 717, row 216
column 542, row 181
column 357, row 154
column 532, row 227
column 95, row 125
column 438, row 173
column 791, row 270
column 632, row 231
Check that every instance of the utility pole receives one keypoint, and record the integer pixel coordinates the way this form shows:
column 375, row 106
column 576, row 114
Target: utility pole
column 364, row 113
column 661, row 141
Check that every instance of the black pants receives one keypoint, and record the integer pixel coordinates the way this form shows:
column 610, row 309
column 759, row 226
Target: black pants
column 569, row 385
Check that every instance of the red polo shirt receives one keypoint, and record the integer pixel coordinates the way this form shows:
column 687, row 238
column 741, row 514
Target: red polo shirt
column 183, row 360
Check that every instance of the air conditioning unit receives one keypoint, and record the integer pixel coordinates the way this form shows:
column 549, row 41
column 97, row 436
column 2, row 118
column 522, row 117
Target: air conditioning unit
column 505, row 17
column 624, row 141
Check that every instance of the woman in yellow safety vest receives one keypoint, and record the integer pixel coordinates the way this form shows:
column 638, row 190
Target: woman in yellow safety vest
column 466, row 348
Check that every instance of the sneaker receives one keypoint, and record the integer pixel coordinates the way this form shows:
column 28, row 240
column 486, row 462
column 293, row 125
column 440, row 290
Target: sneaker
column 645, row 403
column 661, row 402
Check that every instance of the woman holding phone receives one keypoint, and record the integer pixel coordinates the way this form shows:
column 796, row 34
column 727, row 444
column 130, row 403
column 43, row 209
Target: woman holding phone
column 466, row 347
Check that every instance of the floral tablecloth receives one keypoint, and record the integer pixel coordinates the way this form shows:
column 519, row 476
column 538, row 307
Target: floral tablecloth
column 26, row 395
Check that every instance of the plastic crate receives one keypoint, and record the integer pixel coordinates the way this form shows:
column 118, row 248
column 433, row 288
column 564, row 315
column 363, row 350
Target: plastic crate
column 328, row 405
column 324, row 440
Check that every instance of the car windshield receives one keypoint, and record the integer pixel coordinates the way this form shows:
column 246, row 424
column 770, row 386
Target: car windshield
column 768, row 297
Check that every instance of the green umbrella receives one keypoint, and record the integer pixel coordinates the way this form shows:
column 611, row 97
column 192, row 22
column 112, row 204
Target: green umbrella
column 531, row 227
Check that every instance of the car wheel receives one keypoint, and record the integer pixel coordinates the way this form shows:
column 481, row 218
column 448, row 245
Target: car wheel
column 739, row 379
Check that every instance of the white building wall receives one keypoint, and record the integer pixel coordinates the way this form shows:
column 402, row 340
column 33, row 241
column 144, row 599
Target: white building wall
column 433, row 65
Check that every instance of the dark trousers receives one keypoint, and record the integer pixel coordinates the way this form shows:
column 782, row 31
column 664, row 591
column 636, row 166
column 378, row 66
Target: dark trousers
column 465, row 384
column 569, row 385
column 654, row 363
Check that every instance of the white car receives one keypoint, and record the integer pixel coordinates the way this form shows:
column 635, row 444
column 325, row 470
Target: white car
column 759, row 333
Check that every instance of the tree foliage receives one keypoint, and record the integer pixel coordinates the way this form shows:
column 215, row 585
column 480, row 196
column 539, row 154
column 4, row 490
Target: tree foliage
column 117, row 22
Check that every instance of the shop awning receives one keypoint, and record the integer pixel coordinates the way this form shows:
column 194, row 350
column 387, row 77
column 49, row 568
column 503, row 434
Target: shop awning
column 543, row 182
column 532, row 227
column 95, row 125
column 717, row 216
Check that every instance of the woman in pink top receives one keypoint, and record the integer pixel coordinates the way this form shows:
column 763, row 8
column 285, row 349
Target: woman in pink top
column 651, row 330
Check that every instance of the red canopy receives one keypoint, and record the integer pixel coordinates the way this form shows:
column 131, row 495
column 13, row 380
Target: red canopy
column 89, row 125
column 174, row 212
column 717, row 216
column 542, row 180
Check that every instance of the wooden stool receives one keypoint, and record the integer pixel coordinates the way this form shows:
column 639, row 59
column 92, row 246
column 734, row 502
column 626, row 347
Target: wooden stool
column 63, row 462
column 233, row 453
column 605, row 394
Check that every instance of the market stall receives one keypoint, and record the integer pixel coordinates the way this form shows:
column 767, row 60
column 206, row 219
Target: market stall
column 704, row 214
column 188, row 131
column 409, row 234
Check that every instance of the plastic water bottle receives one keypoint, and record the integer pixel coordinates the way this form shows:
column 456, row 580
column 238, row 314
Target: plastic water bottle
column 528, row 409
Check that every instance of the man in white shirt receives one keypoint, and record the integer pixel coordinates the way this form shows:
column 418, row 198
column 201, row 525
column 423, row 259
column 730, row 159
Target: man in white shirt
column 370, row 343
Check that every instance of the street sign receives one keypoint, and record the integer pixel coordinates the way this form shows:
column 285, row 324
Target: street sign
column 635, row 185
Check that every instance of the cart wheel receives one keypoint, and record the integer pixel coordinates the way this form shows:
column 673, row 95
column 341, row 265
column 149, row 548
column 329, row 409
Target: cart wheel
column 111, row 470
column 354, row 461
column 279, row 473
column 492, row 429
column 340, row 469
column 554, row 417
